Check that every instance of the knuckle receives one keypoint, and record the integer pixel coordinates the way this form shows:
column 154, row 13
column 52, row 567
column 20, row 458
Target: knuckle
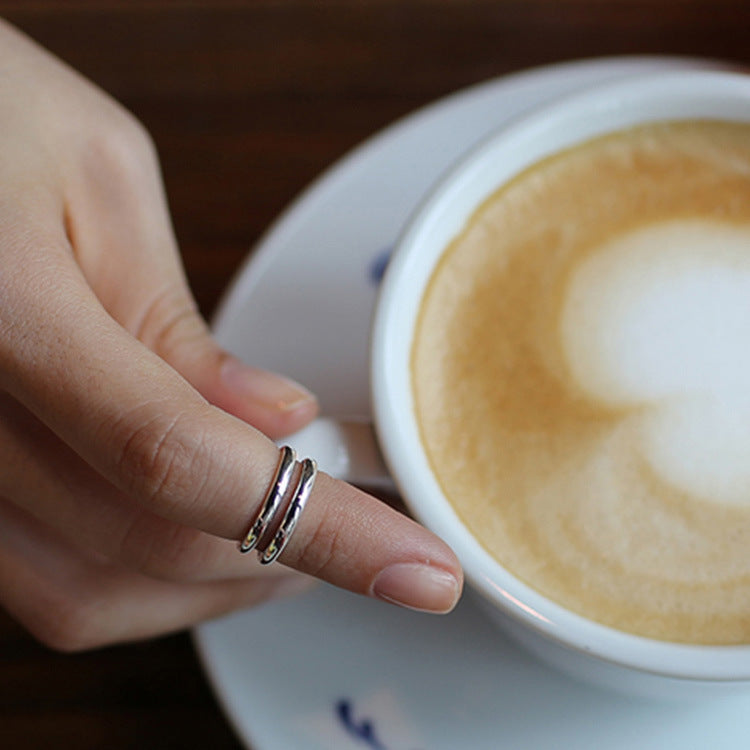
column 121, row 148
column 170, row 320
column 321, row 550
column 163, row 462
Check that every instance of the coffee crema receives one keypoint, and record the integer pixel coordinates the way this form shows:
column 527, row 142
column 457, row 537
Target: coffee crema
column 581, row 375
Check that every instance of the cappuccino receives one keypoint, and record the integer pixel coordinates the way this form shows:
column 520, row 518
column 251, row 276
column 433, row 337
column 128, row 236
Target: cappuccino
column 581, row 379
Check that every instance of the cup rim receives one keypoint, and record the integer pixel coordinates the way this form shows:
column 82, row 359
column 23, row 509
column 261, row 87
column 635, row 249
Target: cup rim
column 571, row 119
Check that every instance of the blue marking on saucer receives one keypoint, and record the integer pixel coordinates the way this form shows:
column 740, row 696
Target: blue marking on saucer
column 377, row 266
column 362, row 730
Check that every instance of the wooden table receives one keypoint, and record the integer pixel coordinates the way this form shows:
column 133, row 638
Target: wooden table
column 247, row 102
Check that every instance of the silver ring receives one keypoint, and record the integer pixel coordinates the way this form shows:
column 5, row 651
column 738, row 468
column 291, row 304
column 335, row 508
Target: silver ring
column 275, row 494
column 300, row 496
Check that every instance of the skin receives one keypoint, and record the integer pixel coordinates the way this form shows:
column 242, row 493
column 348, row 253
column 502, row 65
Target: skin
column 134, row 452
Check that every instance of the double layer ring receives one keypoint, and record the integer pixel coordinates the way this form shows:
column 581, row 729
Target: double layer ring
column 306, row 471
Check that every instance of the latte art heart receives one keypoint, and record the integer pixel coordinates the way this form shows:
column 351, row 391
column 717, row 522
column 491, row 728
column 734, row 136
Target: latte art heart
column 657, row 322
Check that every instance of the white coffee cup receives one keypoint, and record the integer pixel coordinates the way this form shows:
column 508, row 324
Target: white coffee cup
column 584, row 648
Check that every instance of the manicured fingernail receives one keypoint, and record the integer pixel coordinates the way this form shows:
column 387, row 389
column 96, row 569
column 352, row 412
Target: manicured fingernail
column 273, row 391
column 417, row 586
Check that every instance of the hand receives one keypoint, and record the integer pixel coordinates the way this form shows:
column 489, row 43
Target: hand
column 128, row 463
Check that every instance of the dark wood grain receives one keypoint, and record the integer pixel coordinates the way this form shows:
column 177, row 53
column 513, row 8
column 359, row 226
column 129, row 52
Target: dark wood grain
column 247, row 102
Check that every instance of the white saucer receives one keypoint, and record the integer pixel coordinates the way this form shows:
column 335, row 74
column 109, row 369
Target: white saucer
column 338, row 672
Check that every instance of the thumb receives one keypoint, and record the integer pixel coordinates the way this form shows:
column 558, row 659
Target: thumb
column 118, row 223
column 274, row 404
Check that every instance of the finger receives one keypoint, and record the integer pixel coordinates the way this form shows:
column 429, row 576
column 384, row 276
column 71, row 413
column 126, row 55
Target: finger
column 43, row 476
column 352, row 540
column 121, row 232
column 46, row 478
column 146, row 430
column 73, row 603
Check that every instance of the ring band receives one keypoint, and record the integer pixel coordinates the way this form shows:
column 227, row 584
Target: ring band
column 308, row 472
column 275, row 494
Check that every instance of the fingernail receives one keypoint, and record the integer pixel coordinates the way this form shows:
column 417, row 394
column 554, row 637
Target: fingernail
column 417, row 586
column 267, row 388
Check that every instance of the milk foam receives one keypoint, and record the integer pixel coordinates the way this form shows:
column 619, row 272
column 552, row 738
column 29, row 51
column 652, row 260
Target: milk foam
column 581, row 376
column 658, row 320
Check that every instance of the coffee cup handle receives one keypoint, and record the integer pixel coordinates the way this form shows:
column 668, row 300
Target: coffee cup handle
column 345, row 449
